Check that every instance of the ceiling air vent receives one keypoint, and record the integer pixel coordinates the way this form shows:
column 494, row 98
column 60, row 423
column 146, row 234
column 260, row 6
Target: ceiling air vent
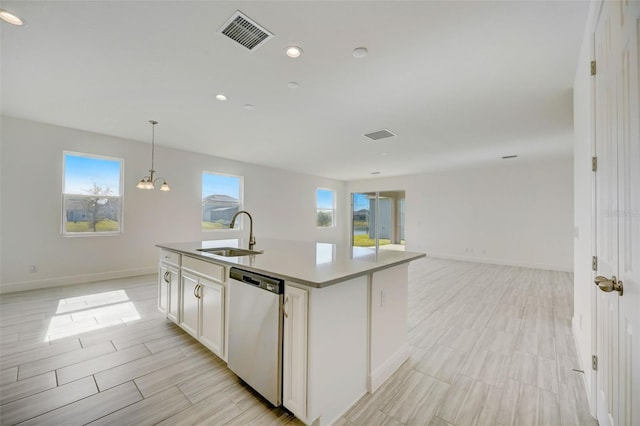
column 242, row 29
column 379, row 134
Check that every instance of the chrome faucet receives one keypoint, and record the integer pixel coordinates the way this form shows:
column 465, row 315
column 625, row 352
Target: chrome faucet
column 252, row 239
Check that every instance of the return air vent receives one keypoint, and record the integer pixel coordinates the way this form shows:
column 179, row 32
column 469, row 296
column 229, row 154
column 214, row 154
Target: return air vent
column 379, row 134
column 243, row 30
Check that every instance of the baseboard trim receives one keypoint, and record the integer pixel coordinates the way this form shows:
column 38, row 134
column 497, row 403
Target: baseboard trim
column 522, row 264
column 74, row 279
column 347, row 408
column 390, row 366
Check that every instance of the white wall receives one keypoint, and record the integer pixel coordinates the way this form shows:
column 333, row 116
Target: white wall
column 282, row 204
column 583, row 243
column 516, row 212
column 513, row 213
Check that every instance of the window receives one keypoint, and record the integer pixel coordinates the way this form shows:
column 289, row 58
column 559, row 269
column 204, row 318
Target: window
column 325, row 207
column 92, row 195
column 221, row 199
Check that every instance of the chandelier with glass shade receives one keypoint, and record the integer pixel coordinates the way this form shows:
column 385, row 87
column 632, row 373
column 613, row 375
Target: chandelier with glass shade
column 148, row 182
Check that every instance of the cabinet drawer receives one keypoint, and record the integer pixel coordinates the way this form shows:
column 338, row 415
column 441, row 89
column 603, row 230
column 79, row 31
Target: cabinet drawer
column 170, row 257
column 211, row 270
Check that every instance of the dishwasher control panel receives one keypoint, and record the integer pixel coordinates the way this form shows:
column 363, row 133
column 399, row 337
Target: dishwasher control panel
column 271, row 284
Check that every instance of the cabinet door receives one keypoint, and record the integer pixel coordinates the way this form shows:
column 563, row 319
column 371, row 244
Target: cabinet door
column 163, row 288
column 294, row 374
column 212, row 316
column 174, row 293
column 190, row 302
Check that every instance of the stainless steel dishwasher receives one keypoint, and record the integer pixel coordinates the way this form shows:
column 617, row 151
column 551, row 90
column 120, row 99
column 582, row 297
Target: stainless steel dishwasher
column 255, row 332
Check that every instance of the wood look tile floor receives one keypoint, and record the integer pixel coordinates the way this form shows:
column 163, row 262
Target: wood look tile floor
column 491, row 345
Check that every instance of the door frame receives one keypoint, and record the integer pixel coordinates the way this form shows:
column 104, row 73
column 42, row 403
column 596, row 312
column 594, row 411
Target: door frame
column 593, row 391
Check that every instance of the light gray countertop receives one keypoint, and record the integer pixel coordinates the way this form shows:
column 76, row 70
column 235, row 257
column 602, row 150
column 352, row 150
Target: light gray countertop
column 308, row 263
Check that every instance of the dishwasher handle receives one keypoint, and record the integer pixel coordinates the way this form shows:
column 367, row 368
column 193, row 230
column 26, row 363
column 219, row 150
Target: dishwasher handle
column 250, row 280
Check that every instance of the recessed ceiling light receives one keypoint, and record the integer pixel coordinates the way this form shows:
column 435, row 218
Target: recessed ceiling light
column 360, row 52
column 507, row 157
column 293, row 51
column 221, row 97
column 10, row 17
column 293, row 85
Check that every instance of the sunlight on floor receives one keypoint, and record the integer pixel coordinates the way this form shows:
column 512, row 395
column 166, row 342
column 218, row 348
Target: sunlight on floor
column 90, row 312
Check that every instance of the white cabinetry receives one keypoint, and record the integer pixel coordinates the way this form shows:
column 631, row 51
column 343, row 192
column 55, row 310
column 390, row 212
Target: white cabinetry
column 190, row 303
column 388, row 340
column 202, row 303
column 294, row 357
column 169, row 291
column 169, row 284
column 339, row 341
column 212, row 315
column 325, row 349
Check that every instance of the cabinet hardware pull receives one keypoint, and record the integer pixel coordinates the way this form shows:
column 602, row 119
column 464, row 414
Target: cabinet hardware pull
column 166, row 276
column 195, row 291
column 284, row 307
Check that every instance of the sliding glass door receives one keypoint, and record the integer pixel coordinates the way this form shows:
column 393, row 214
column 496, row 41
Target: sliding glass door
column 378, row 219
column 363, row 234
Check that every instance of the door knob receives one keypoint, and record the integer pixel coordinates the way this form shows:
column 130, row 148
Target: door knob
column 608, row 285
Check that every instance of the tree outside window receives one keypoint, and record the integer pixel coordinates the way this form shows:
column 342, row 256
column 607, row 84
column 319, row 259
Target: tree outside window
column 325, row 208
column 92, row 202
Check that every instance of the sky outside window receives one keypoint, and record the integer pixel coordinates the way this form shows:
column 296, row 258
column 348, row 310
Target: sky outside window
column 360, row 202
column 220, row 184
column 81, row 173
column 324, row 199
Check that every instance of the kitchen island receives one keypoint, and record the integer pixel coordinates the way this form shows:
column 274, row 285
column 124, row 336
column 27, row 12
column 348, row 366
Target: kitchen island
column 345, row 313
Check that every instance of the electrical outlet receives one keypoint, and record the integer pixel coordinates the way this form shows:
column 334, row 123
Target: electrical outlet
column 33, row 268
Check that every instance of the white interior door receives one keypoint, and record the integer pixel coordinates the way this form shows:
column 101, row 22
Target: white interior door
column 618, row 212
column 629, row 214
column 606, row 219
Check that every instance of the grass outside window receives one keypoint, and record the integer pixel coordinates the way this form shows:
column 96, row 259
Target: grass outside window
column 105, row 225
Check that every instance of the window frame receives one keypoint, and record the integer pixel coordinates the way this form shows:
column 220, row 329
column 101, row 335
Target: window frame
column 334, row 215
column 66, row 196
column 239, row 225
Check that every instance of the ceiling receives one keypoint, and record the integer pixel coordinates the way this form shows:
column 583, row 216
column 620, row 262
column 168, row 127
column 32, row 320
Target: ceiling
column 461, row 83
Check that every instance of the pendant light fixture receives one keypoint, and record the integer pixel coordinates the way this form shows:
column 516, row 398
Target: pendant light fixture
column 11, row 18
column 147, row 182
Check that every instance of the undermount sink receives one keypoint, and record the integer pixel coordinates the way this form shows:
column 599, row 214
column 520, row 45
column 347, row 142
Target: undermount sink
column 229, row 251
